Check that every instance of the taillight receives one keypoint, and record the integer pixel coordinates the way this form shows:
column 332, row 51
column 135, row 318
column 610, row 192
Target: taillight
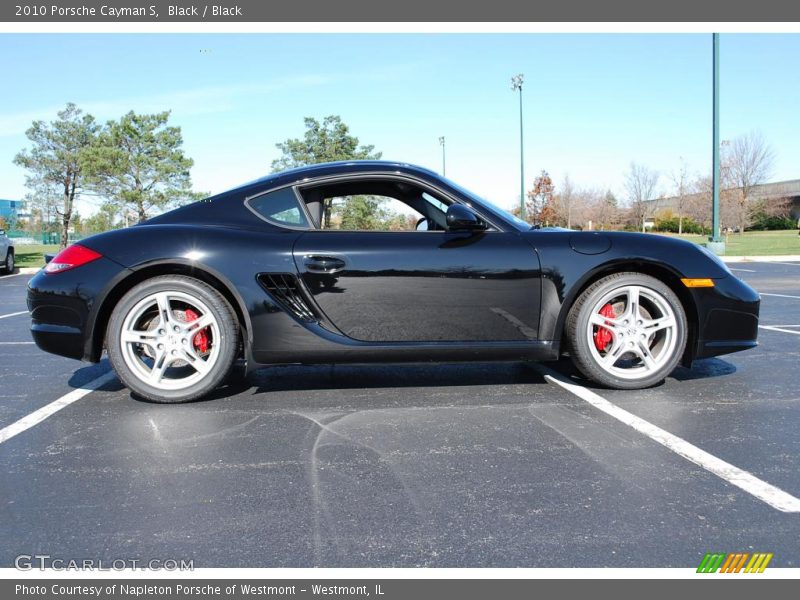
column 71, row 257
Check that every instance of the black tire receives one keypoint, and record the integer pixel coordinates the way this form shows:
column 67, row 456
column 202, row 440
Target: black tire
column 7, row 267
column 238, row 373
column 227, row 340
column 587, row 359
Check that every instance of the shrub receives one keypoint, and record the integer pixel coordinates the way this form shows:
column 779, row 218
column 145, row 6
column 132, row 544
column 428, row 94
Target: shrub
column 670, row 224
column 765, row 222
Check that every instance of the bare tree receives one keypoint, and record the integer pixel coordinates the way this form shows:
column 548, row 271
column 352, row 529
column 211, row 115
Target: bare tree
column 779, row 207
column 698, row 207
column 698, row 204
column 603, row 210
column 43, row 202
column 767, row 212
column 565, row 203
column 750, row 161
column 680, row 179
column 640, row 184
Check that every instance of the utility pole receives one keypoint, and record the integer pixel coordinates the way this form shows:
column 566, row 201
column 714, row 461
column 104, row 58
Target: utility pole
column 715, row 243
column 516, row 84
column 441, row 142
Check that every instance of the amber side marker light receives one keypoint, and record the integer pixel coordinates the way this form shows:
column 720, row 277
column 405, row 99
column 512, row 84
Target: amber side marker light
column 697, row 282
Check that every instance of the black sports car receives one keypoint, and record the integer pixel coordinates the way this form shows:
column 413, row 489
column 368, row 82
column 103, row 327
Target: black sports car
column 290, row 269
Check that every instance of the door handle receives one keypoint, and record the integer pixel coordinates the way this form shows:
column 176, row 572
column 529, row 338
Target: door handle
column 323, row 264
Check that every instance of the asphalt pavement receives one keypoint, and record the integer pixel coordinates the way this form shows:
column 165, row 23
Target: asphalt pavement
column 472, row 465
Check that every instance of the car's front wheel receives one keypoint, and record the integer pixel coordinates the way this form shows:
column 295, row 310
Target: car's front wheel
column 627, row 331
column 172, row 339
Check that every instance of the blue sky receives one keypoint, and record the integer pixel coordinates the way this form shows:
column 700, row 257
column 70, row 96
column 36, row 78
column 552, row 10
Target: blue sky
column 592, row 102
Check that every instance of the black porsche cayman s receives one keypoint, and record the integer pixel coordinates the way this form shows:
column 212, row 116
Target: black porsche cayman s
column 290, row 269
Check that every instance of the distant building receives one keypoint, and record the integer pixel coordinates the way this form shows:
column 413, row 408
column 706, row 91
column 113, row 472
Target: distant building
column 12, row 210
column 769, row 192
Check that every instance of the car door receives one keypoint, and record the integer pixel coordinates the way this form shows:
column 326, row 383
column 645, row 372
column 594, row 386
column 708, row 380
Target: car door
column 423, row 286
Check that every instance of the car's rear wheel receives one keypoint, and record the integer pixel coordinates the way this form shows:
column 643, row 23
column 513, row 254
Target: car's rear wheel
column 8, row 264
column 172, row 339
column 627, row 331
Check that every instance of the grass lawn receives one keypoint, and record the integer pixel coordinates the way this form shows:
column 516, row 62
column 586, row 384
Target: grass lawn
column 33, row 255
column 755, row 243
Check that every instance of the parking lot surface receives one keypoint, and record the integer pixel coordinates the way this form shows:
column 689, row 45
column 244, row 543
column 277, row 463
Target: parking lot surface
column 405, row 465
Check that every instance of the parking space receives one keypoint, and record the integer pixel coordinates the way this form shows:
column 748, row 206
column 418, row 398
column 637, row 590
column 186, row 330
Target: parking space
column 12, row 293
column 436, row 465
column 745, row 407
column 30, row 378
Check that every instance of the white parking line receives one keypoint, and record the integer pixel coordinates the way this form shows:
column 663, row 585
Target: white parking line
column 748, row 482
column 781, row 329
column 15, row 343
column 22, row 312
column 743, row 270
column 780, row 295
column 40, row 415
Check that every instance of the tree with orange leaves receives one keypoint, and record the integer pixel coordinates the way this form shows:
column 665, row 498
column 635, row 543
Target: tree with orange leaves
column 539, row 207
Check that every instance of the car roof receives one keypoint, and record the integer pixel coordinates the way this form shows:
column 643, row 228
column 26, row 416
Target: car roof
column 333, row 168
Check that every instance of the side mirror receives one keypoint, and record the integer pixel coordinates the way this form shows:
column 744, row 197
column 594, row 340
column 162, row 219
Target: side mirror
column 461, row 218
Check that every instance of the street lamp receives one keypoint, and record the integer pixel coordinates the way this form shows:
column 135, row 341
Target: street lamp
column 516, row 84
column 715, row 243
column 441, row 141
column 715, row 141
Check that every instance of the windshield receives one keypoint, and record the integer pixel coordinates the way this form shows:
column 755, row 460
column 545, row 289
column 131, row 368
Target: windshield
column 502, row 213
column 517, row 221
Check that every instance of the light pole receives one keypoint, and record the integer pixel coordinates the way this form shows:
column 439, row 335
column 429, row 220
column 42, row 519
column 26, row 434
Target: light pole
column 516, row 84
column 441, row 141
column 715, row 243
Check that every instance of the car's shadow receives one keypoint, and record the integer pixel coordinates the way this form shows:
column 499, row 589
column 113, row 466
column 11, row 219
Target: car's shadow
column 89, row 373
column 301, row 378
column 705, row 368
column 297, row 378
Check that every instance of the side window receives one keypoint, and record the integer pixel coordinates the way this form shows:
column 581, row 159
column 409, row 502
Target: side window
column 374, row 204
column 281, row 207
column 368, row 212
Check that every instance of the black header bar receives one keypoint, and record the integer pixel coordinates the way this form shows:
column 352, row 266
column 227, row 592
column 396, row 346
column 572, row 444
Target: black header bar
column 467, row 11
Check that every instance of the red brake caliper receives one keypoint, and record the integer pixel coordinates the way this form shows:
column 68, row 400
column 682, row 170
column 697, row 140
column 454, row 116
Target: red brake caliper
column 200, row 340
column 602, row 336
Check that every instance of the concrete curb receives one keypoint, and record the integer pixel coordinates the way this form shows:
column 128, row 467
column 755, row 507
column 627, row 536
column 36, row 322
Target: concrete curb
column 28, row 270
column 776, row 258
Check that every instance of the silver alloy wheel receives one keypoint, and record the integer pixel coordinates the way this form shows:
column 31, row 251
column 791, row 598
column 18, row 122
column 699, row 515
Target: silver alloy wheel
column 643, row 332
column 158, row 346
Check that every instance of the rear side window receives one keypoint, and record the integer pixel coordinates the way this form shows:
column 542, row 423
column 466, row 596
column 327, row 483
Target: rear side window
column 280, row 207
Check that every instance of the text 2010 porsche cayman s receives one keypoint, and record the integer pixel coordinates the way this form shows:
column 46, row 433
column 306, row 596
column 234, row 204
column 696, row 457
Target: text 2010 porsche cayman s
column 290, row 269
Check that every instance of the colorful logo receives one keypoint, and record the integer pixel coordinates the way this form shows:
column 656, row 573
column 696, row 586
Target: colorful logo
column 734, row 562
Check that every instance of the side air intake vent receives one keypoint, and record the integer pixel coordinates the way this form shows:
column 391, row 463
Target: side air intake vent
column 286, row 290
